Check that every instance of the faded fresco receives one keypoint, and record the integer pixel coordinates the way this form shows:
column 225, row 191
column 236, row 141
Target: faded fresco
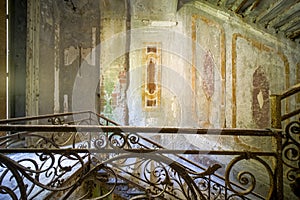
column 209, row 91
column 260, row 98
column 201, row 78
column 262, row 76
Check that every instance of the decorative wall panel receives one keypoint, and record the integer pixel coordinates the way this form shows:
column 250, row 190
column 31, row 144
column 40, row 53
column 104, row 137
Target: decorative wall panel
column 208, row 72
column 250, row 93
column 152, row 75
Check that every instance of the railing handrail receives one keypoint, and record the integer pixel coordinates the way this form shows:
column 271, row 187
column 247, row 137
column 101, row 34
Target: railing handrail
column 276, row 100
column 46, row 116
column 145, row 130
column 291, row 91
column 129, row 129
column 138, row 129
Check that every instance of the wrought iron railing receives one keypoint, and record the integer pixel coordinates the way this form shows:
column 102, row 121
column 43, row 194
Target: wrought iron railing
column 276, row 106
column 291, row 140
column 88, row 151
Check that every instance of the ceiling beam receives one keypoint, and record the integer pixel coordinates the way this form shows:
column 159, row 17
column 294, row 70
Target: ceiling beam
column 275, row 10
column 229, row 4
column 284, row 17
column 241, row 6
column 249, row 8
column 293, row 35
column 221, row 3
column 291, row 25
column 276, row 15
column 237, row 5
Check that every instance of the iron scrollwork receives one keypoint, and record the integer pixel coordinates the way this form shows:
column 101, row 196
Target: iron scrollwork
column 291, row 155
column 106, row 157
column 29, row 177
column 161, row 176
column 246, row 178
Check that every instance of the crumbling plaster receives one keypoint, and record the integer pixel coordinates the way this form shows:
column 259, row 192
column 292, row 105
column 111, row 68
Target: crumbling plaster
column 236, row 50
column 65, row 39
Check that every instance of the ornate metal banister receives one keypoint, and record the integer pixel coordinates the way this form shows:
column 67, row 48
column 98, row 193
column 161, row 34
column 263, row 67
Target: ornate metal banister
column 121, row 149
column 291, row 156
column 289, row 150
column 97, row 149
column 93, row 145
column 291, row 91
column 276, row 99
column 130, row 129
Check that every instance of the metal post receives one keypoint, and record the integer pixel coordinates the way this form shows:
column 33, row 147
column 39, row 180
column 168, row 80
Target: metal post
column 275, row 101
column 279, row 171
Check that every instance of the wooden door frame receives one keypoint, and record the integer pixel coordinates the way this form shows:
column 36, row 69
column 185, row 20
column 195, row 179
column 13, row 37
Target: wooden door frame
column 3, row 63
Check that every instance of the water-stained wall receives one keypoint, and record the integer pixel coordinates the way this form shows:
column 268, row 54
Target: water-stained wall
column 251, row 66
column 60, row 40
column 191, row 67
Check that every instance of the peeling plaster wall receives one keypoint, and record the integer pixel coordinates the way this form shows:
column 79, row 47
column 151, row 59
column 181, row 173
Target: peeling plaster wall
column 60, row 41
column 153, row 28
column 79, row 35
column 243, row 67
column 244, row 51
column 215, row 71
column 46, row 73
column 112, row 60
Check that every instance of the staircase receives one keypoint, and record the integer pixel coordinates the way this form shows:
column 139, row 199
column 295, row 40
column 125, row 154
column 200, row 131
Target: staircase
column 83, row 155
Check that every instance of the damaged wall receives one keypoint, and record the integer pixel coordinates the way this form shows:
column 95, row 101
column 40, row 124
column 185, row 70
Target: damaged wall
column 222, row 69
column 251, row 65
column 63, row 39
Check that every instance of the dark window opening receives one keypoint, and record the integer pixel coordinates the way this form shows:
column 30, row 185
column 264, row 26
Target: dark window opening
column 151, row 49
column 151, row 102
